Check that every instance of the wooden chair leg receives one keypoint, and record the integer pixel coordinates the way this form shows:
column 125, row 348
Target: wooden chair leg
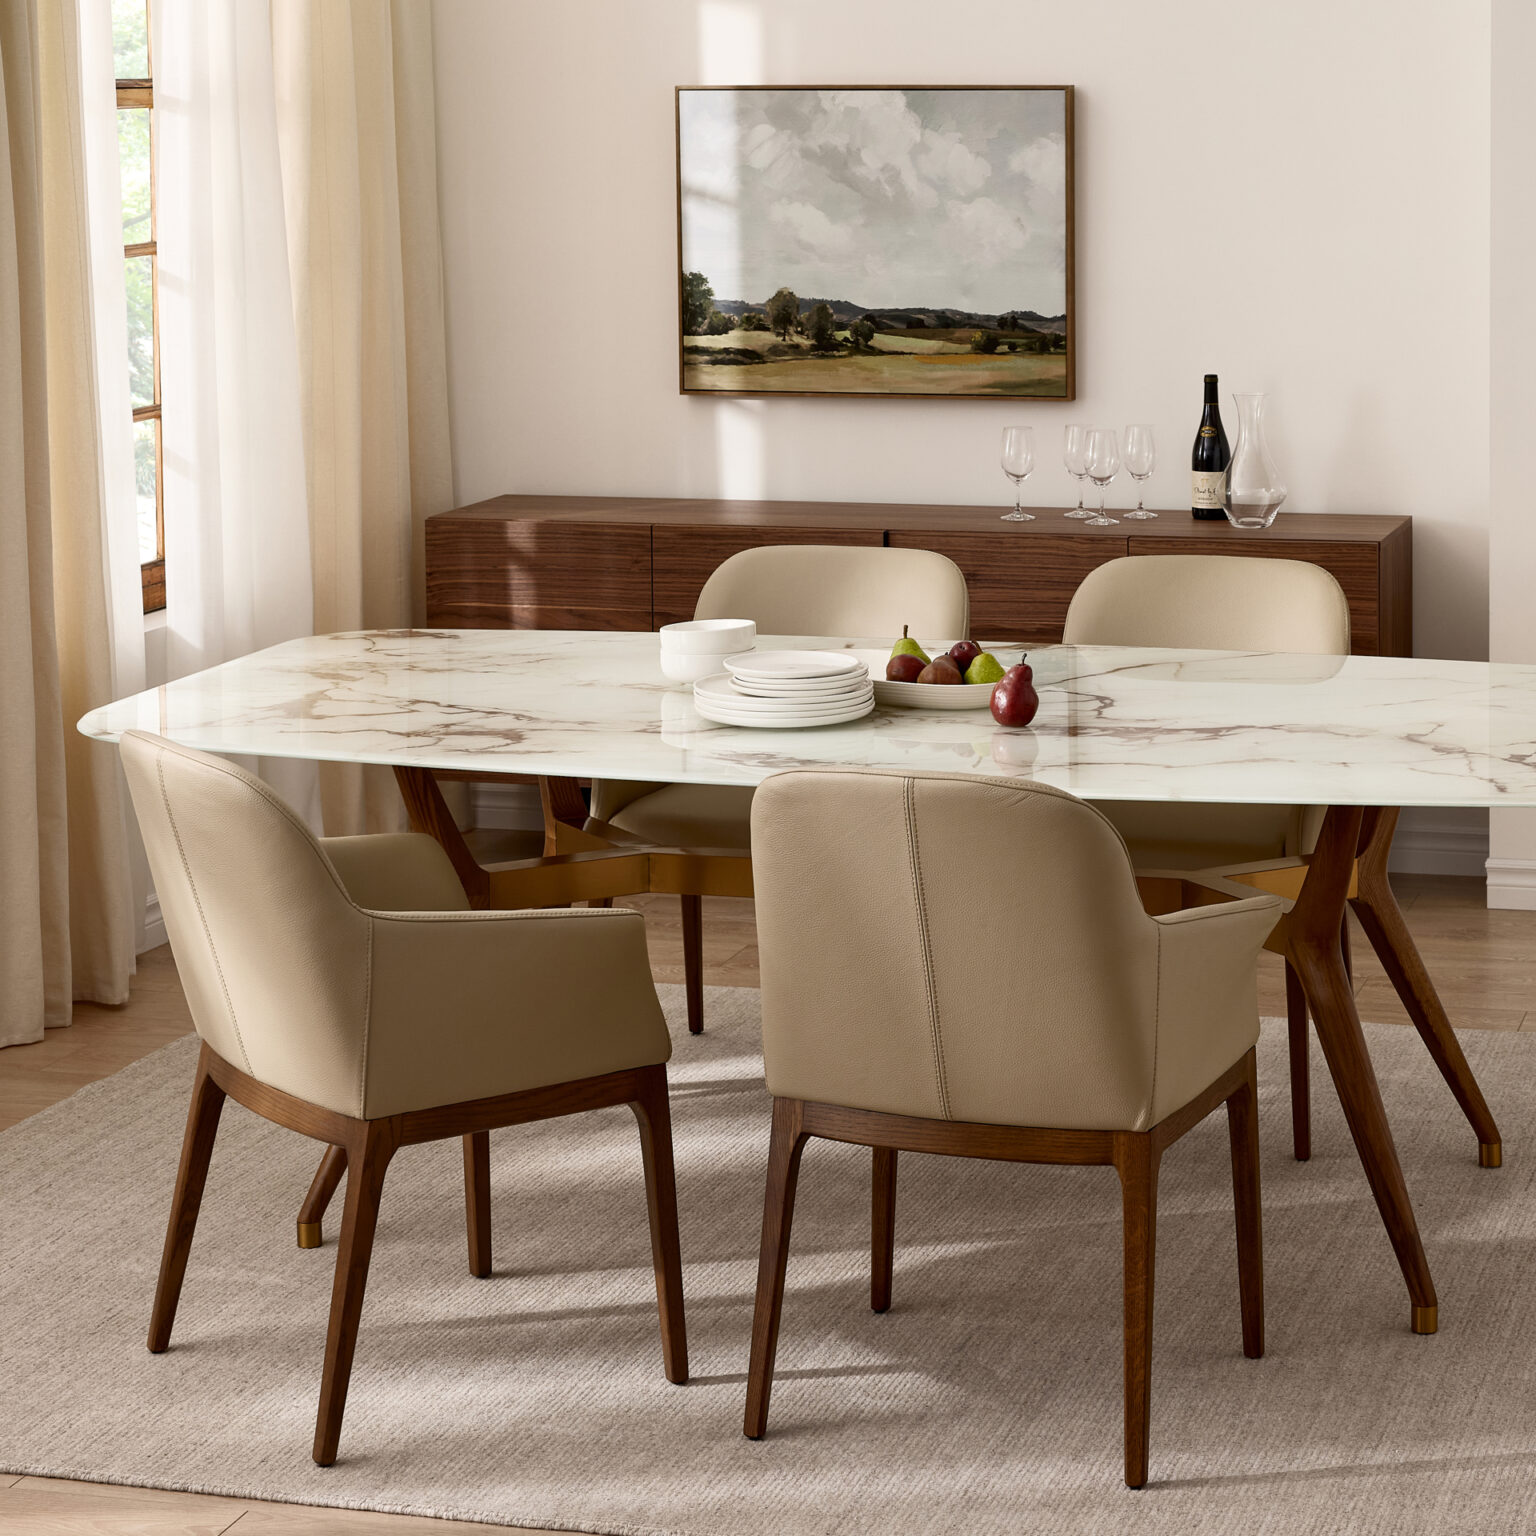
column 693, row 961
column 784, row 1149
column 882, row 1254
column 191, row 1175
column 1301, row 1070
column 1136, row 1161
column 368, row 1159
column 1243, row 1130
column 327, row 1176
column 477, row 1201
column 654, row 1114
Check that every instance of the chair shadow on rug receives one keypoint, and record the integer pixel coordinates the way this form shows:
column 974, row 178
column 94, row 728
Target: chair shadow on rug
column 370, row 1011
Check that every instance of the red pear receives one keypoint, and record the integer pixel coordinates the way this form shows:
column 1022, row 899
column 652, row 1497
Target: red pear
column 963, row 653
column 940, row 670
column 904, row 668
column 1014, row 700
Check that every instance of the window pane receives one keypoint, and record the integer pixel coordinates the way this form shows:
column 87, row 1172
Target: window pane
column 139, row 272
column 133, row 156
column 130, row 39
column 145, row 434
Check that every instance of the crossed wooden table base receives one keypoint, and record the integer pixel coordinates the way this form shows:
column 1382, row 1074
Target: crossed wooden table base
column 591, row 862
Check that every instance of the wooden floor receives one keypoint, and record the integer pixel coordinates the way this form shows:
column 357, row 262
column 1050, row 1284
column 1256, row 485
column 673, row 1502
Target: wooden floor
column 1484, row 964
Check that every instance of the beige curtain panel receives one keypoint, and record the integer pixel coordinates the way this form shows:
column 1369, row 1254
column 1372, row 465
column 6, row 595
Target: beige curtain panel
column 67, row 918
column 357, row 135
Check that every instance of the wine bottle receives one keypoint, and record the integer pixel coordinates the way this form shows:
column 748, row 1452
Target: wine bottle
column 1208, row 462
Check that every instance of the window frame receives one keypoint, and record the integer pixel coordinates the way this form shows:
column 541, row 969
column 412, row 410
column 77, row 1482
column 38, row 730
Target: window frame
column 140, row 94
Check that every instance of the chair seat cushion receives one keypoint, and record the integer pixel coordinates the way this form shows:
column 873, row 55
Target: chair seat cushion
column 691, row 816
column 1161, row 835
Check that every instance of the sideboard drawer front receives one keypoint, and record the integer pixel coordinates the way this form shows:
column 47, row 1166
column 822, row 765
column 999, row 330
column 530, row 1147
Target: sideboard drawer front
column 494, row 573
column 684, row 556
column 1020, row 587
column 1353, row 566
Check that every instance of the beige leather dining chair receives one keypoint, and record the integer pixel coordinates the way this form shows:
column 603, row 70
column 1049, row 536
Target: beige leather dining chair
column 786, row 589
column 960, row 965
column 1219, row 603
column 342, row 989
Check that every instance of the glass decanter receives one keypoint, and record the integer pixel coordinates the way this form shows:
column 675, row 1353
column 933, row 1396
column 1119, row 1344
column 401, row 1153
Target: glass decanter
column 1254, row 490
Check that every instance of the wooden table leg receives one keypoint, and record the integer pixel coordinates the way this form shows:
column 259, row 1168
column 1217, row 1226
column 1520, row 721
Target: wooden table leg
column 1382, row 919
column 1312, row 947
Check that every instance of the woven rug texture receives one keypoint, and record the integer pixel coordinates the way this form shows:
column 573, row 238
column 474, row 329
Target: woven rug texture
column 987, row 1400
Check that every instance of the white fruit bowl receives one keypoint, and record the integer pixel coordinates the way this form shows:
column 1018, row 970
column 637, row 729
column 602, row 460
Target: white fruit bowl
column 922, row 695
column 708, row 637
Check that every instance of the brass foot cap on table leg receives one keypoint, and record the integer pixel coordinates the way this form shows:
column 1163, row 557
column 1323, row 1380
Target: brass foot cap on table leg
column 1490, row 1154
column 309, row 1234
column 1426, row 1319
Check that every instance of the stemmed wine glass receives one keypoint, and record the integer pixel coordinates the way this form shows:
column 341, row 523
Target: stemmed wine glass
column 1073, row 440
column 1140, row 461
column 1101, row 461
column 1018, row 460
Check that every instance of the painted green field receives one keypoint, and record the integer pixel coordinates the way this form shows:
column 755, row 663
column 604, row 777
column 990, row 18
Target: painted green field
column 929, row 366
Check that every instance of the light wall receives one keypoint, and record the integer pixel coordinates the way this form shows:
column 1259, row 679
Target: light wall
column 1512, row 407
column 1295, row 196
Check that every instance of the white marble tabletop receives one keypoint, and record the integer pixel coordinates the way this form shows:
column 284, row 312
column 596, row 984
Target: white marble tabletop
column 1114, row 723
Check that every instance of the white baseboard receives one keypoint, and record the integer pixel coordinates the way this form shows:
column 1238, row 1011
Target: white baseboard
column 154, row 926
column 1440, row 842
column 1512, row 885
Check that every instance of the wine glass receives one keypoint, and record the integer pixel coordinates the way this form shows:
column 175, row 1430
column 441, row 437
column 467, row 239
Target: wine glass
column 1140, row 461
column 1018, row 460
column 1101, row 461
column 1073, row 439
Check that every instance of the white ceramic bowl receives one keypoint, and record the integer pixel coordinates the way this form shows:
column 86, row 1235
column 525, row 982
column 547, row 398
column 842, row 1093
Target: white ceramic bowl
column 683, row 668
column 709, row 637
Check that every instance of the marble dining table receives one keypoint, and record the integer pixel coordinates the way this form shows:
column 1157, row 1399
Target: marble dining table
column 1362, row 736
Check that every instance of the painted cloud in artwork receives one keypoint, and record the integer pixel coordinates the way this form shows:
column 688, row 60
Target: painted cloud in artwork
column 882, row 198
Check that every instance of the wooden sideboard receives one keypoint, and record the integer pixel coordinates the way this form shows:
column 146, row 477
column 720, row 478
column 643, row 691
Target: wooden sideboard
column 595, row 562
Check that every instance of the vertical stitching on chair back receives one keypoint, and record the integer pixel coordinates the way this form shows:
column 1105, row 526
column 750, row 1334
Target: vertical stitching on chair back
column 197, row 900
column 909, row 806
column 362, row 1063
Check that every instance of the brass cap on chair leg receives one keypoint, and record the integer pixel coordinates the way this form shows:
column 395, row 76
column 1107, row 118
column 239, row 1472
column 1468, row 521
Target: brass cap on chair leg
column 1490, row 1154
column 309, row 1234
column 1426, row 1319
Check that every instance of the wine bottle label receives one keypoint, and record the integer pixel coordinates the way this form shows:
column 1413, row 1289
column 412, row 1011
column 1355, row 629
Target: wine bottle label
column 1207, row 488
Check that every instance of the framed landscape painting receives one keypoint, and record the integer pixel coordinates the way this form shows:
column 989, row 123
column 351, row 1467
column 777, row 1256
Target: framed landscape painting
column 876, row 240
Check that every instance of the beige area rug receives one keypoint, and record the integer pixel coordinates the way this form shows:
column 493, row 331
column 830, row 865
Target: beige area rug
column 987, row 1400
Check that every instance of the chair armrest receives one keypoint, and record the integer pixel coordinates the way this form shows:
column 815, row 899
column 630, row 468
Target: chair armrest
column 468, row 1005
column 396, row 872
column 1207, row 994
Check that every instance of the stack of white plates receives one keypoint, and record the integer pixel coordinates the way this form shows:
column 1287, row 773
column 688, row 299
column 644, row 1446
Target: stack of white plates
column 782, row 690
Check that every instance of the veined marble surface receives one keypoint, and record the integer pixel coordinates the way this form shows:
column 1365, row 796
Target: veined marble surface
column 1114, row 723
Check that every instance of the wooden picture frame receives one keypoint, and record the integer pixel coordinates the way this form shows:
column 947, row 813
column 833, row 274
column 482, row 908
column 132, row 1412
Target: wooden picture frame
column 848, row 205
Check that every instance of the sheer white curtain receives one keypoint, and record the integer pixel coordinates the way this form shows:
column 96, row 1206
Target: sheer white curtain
column 236, row 511
column 235, row 505
column 302, row 338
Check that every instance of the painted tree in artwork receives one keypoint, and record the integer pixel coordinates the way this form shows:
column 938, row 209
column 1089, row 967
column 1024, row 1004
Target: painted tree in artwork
column 823, row 328
column 698, row 303
column 783, row 312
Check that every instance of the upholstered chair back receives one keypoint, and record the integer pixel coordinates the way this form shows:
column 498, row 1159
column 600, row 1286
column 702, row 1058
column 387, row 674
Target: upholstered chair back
column 1211, row 602
column 961, row 948
column 274, row 956
column 823, row 589
column 817, row 589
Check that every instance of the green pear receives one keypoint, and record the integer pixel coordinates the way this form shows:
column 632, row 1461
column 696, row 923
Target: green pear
column 985, row 669
column 907, row 646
